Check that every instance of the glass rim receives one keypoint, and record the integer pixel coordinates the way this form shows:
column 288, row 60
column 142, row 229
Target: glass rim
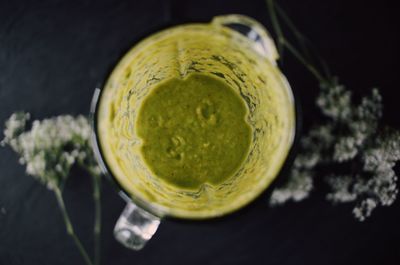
column 159, row 210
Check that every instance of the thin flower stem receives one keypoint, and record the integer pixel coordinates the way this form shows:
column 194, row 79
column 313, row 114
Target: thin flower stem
column 309, row 66
column 301, row 39
column 276, row 25
column 97, row 217
column 70, row 229
column 284, row 43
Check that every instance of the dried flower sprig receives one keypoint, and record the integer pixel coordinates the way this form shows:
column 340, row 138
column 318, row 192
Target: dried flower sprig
column 350, row 138
column 49, row 150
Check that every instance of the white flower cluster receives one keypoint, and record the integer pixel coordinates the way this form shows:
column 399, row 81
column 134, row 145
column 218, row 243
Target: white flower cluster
column 334, row 101
column 375, row 182
column 350, row 140
column 296, row 189
column 51, row 147
column 15, row 126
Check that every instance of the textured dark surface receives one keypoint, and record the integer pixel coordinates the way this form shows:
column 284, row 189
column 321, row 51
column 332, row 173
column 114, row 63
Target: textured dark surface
column 52, row 55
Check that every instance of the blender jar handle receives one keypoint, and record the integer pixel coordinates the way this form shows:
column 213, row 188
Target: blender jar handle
column 253, row 30
column 135, row 227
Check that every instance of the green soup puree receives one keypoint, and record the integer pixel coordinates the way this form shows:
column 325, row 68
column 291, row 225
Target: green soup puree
column 193, row 122
column 194, row 131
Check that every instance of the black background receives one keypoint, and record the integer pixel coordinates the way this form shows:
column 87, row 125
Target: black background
column 54, row 53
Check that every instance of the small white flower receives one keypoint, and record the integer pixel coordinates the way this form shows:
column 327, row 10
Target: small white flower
column 334, row 101
column 297, row 189
column 59, row 168
column 364, row 209
column 345, row 149
column 341, row 189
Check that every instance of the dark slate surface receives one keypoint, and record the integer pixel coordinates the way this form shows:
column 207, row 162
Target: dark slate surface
column 52, row 55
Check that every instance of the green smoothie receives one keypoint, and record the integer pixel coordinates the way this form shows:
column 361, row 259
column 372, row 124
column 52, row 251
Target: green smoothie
column 193, row 122
column 194, row 131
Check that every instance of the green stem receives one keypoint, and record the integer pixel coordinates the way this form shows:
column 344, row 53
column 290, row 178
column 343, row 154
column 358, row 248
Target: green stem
column 301, row 39
column 70, row 229
column 302, row 60
column 97, row 217
column 284, row 43
column 276, row 25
